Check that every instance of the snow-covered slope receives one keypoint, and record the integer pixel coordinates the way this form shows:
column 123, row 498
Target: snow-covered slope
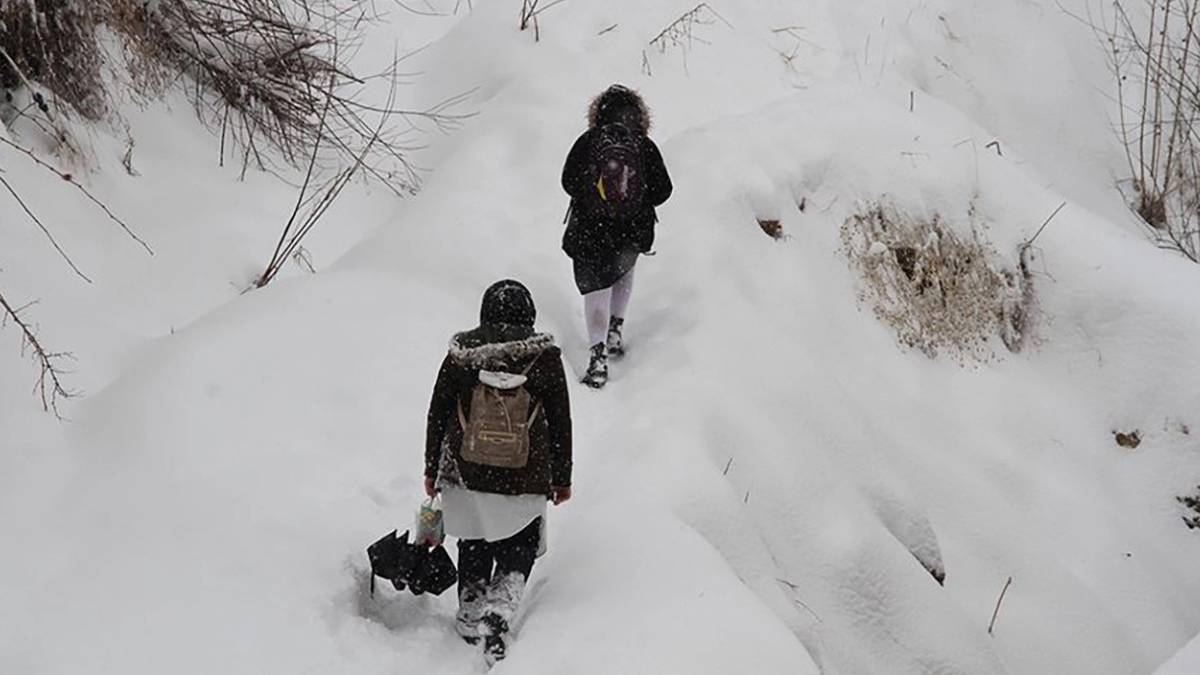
column 755, row 486
column 1185, row 662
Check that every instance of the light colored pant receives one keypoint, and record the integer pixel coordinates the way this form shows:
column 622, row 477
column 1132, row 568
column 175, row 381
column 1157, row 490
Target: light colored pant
column 599, row 305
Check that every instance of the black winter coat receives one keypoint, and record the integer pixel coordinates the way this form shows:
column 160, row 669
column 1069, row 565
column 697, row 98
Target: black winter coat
column 506, row 349
column 590, row 236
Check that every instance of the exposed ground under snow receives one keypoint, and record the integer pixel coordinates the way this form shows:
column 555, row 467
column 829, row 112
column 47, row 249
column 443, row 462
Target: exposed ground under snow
column 748, row 488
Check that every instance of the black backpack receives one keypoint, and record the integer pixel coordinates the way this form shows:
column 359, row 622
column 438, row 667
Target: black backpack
column 617, row 180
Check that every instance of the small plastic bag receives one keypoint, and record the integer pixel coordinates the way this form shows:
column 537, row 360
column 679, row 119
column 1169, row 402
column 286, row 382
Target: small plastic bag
column 430, row 529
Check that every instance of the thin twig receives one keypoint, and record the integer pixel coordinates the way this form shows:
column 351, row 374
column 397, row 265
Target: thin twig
column 999, row 600
column 48, row 385
column 419, row 12
column 679, row 33
column 71, row 179
column 795, row 590
column 543, row 8
column 278, row 255
column 1039, row 232
column 37, row 221
column 315, row 206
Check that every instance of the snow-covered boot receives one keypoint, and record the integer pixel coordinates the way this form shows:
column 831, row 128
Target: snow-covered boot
column 597, row 372
column 616, row 346
column 503, row 598
column 495, row 631
column 472, row 600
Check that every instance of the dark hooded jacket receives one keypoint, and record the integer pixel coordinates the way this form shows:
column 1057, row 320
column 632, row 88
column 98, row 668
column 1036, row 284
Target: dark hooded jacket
column 505, row 341
column 590, row 236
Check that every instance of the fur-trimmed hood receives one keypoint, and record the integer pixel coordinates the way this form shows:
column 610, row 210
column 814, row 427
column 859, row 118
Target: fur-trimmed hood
column 488, row 347
column 619, row 104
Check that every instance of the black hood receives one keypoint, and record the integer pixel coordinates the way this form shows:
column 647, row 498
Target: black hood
column 507, row 303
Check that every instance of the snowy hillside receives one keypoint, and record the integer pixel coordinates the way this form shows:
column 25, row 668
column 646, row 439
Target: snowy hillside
column 764, row 482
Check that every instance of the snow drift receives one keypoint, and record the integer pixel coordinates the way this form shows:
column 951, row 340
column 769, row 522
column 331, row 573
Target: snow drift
column 768, row 483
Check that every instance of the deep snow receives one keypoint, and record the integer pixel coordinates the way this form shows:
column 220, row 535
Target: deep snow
column 751, row 486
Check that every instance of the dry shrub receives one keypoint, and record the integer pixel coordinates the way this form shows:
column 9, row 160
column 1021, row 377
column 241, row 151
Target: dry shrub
column 680, row 34
column 271, row 76
column 941, row 293
column 1154, row 54
column 53, row 43
column 273, row 73
column 265, row 74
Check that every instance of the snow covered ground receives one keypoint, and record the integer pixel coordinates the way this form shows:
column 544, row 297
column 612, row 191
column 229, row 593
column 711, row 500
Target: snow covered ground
column 1186, row 661
column 754, row 487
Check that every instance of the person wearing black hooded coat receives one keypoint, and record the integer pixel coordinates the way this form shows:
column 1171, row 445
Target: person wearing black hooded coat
column 497, row 513
column 602, row 249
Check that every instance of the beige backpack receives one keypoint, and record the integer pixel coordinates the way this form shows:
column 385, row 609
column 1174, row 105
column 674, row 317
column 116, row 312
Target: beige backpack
column 502, row 412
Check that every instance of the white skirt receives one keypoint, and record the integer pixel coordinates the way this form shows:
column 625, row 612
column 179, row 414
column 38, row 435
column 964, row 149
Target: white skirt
column 481, row 515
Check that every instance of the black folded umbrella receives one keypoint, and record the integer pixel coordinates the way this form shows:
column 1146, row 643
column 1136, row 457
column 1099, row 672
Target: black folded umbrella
column 435, row 572
column 422, row 570
column 391, row 558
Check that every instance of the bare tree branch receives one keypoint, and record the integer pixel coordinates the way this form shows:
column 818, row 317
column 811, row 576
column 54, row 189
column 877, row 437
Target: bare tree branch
column 42, row 226
column 49, row 386
column 71, row 179
column 681, row 34
column 1155, row 62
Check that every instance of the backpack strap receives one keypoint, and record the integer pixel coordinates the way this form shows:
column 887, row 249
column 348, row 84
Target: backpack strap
column 536, row 406
column 532, row 363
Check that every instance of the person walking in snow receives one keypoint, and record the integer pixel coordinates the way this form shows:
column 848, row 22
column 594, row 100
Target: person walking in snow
column 498, row 446
column 616, row 177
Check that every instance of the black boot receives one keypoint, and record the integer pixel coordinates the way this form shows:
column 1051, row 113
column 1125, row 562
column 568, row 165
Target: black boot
column 616, row 346
column 597, row 372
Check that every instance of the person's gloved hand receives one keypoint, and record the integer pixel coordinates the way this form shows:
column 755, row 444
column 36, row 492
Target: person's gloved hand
column 430, row 488
column 560, row 494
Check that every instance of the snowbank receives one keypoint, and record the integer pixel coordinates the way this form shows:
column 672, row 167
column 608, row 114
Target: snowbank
column 768, row 479
column 1186, row 661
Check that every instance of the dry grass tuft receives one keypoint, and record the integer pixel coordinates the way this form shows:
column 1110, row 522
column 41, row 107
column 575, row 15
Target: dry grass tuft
column 941, row 293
